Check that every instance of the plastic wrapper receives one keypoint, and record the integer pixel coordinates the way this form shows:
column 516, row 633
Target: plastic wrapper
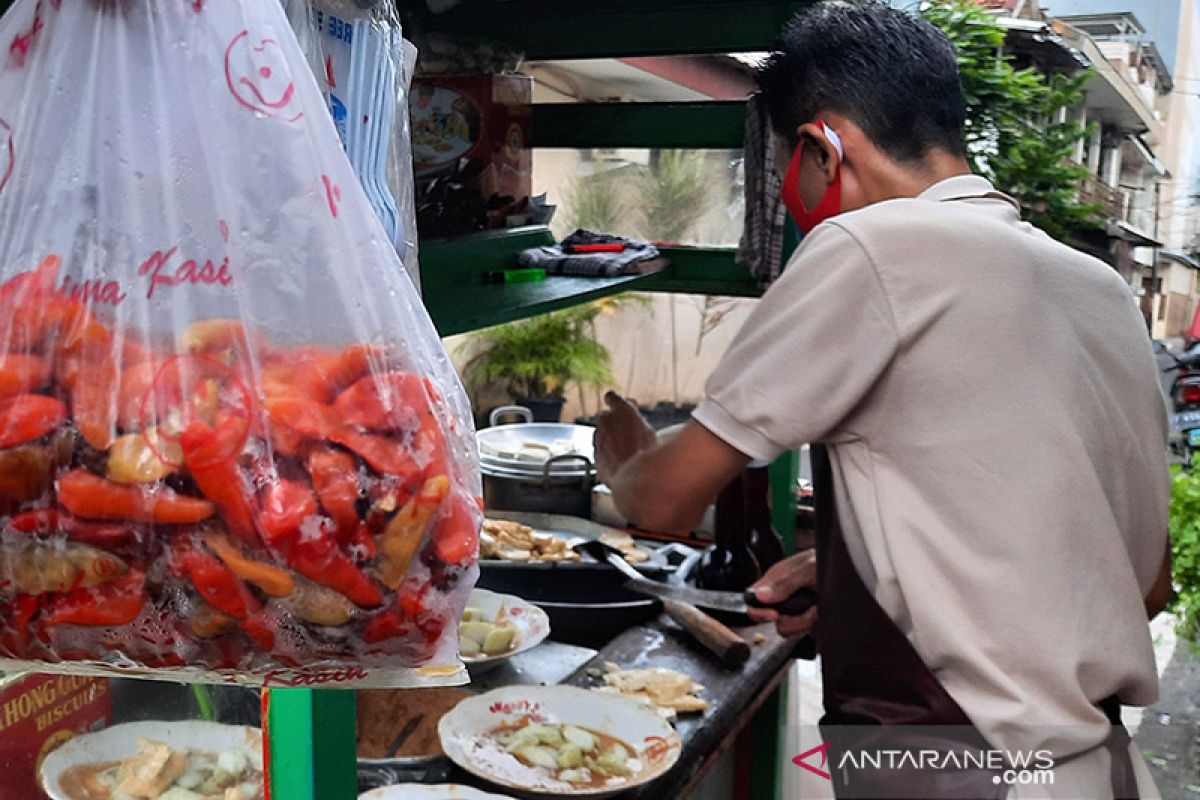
column 232, row 446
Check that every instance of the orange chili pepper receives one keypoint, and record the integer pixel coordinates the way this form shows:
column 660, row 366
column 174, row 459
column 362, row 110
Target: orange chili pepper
column 29, row 416
column 404, row 533
column 272, row 580
column 92, row 497
column 335, row 478
column 21, row 373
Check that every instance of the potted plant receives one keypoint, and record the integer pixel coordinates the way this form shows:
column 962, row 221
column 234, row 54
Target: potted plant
column 537, row 358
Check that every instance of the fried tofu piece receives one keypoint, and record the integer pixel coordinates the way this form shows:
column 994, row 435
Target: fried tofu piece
column 152, row 771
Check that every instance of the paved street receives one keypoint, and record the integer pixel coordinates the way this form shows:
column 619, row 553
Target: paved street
column 1168, row 732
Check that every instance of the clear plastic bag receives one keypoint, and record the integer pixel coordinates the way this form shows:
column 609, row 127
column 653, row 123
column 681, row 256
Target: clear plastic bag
column 231, row 443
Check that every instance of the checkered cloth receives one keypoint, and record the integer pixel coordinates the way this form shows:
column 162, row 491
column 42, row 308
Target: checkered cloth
column 761, row 247
column 594, row 265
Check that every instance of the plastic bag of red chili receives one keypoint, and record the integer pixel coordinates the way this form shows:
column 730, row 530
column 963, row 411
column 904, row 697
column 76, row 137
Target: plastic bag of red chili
column 231, row 443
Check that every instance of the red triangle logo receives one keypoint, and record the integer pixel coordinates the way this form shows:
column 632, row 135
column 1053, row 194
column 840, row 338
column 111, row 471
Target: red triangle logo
column 823, row 749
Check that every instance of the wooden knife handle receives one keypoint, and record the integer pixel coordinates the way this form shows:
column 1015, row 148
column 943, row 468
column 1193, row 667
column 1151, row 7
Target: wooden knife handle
column 727, row 645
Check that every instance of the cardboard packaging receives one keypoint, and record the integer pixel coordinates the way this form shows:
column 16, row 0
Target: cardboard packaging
column 472, row 131
column 37, row 714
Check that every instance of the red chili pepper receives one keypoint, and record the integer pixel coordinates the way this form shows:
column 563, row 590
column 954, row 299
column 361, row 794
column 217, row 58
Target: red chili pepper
column 134, row 383
column 393, row 401
column 308, row 418
column 21, row 373
column 43, row 278
column 92, row 497
column 198, row 389
column 432, row 627
column 387, row 624
column 214, row 581
column 29, row 416
column 220, row 480
column 17, row 634
column 408, row 607
column 285, row 440
column 363, row 546
column 92, row 404
column 456, row 534
column 387, row 456
column 115, row 603
column 320, row 560
column 50, row 520
column 335, row 478
column 258, row 630
column 285, row 506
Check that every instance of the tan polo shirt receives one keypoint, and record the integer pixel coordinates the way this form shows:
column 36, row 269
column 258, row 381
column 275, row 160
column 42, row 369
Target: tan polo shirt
column 998, row 442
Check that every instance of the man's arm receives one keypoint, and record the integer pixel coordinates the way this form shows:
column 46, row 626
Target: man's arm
column 1161, row 592
column 663, row 487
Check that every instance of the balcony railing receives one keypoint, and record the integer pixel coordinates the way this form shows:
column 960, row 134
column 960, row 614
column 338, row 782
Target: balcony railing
column 1114, row 202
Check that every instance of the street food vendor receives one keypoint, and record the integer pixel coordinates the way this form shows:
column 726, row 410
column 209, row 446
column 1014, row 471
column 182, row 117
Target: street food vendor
column 992, row 508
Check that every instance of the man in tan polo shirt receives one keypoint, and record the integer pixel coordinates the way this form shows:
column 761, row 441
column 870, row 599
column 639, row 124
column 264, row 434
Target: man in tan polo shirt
column 996, row 529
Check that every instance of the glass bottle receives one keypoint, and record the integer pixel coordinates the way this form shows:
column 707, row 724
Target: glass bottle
column 728, row 565
column 764, row 540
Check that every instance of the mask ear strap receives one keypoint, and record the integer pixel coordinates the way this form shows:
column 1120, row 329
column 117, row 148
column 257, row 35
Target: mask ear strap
column 834, row 140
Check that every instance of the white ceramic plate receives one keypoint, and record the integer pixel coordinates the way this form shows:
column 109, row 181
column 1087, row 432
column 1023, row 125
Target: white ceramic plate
column 418, row 791
column 120, row 742
column 532, row 624
column 463, row 729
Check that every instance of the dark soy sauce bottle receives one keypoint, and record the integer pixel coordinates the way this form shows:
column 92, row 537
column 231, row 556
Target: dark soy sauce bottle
column 764, row 540
column 729, row 565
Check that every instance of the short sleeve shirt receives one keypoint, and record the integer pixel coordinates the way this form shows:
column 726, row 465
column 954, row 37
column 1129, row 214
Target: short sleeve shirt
column 997, row 435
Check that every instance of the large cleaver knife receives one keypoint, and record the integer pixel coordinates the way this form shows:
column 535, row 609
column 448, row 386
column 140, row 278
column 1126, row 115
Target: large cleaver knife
column 680, row 603
column 735, row 602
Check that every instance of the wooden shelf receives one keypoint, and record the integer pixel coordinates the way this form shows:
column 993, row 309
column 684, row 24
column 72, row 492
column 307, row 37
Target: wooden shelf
column 470, row 308
column 459, row 301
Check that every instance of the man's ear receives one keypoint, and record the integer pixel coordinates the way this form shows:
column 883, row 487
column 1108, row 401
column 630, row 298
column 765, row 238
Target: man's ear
column 815, row 138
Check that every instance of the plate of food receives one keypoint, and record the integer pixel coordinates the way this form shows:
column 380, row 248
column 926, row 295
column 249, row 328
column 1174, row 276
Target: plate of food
column 517, row 537
column 184, row 760
column 438, row 791
column 496, row 627
column 558, row 741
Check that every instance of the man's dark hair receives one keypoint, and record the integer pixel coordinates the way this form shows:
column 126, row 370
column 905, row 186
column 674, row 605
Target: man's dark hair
column 893, row 74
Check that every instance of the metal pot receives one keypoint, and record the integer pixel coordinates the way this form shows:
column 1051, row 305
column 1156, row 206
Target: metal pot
column 515, row 478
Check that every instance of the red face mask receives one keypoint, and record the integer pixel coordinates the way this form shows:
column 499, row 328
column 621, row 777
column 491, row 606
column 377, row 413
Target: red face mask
column 830, row 204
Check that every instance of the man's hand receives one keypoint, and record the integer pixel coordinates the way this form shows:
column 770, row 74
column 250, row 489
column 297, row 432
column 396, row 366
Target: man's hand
column 780, row 583
column 621, row 433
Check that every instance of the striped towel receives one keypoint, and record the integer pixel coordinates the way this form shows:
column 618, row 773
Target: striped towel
column 761, row 247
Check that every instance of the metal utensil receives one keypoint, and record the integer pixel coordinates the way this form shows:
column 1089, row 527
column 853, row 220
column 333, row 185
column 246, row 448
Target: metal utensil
column 735, row 602
column 402, row 737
